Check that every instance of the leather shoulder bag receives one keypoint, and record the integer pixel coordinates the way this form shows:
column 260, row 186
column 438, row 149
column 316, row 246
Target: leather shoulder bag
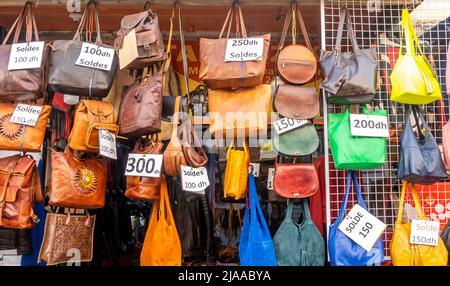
column 23, row 84
column 20, row 187
column 216, row 73
column 68, row 78
column 192, row 146
column 173, row 154
column 301, row 141
column 348, row 77
column 236, row 172
column 296, row 102
column 77, row 183
column 149, row 40
column 19, row 137
column 90, row 116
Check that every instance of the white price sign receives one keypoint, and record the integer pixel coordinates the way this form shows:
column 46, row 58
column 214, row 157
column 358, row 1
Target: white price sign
column 362, row 227
column 425, row 232
column 253, row 168
column 194, row 179
column 369, row 125
column 96, row 57
column 144, row 165
column 241, row 50
column 26, row 114
column 270, row 176
column 107, row 143
column 26, row 56
column 284, row 125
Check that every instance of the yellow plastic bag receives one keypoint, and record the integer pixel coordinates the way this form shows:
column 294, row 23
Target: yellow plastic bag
column 236, row 172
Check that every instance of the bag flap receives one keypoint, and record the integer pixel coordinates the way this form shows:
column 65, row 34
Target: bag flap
column 23, row 166
column 11, row 194
column 296, row 180
column 145, row 38
column 130, row 21
column 297, row 102
column 96, row 107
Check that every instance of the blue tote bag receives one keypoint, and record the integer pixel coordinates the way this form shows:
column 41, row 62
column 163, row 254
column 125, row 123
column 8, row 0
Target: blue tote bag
column 342, row 250
column 255, row 245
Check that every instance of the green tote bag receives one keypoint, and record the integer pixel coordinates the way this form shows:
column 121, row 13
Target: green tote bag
column 354, row 152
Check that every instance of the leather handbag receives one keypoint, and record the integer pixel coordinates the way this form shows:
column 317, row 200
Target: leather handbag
column 445, row 135
column 445, row 236
column 23, row 84
column 192, row 147
column 63, row 235
column 422, row 86
column 301, row 141
column 173, row 154
column 68, row 78
column 239, row 113
column 217, row 73
column 255, row 243
column 403, row 253
column 90, row 117
column 342, row 250
column 149, row 40
column 141, row 107
column 19, row 137
column 348, row 77
column 21, row 188
column 144, row 188
column 236, row 172
column 296, row 102
column 419, row 162
column 299, row 244
column 299, row 180
column 354, row 152
column 77, row 183
column 162, row 245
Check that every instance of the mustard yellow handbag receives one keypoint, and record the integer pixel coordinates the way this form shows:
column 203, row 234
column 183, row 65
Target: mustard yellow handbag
column 236, row 172
column 413, row 79
column 405, row 254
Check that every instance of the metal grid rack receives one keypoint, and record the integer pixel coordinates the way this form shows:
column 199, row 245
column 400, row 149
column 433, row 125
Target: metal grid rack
column 374, row 20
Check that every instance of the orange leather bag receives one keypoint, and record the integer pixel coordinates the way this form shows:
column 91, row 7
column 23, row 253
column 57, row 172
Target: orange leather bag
column 144, row 188
column 243, row 112
column 77, row 183
column 20, row 186
column 162, row 246
column 90, row 116
column 173, row 155
column 16, row 136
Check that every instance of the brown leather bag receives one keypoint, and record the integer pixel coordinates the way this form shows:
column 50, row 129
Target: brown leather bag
column 192, row 147
column 90, row 116
column 243, row 112
column 144, row 188
column 141, row 107
column 174, row 155
column 20, row 186
column 295, row 181
column 77, row 183
column 150, row 45
column 216, row 73
column 296, row 102
column 22, row 137
column 24, row 84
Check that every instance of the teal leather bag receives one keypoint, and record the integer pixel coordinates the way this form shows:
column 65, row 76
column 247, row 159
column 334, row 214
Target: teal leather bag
column 299, row 244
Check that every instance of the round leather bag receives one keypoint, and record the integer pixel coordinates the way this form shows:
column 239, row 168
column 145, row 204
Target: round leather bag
column 296, row 64
column 298, row 142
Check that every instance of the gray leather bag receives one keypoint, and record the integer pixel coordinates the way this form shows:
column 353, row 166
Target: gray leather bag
column 348, row 77
column 68, row 78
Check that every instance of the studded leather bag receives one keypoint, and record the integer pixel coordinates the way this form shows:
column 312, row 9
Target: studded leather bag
column 75, row 182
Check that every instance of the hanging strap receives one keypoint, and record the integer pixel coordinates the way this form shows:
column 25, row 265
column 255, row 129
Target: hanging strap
column 185, row 63
column 239, row 18
column 344, row 16
column 26, row 15
column 83, row 21
column 176, row 112
column 417, row 204
column 351, row 176
column 409, row 35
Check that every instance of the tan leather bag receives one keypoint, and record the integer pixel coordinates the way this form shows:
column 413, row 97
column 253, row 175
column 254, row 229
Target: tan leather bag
column 192, row 146
column 90, row 116
column 243, row 112
column 173, row 155
column 296, row 102
column 22, row 137
column 20, row 186
column 77, row 183
column 216, row 73
column 144, row 188
column 295, row 181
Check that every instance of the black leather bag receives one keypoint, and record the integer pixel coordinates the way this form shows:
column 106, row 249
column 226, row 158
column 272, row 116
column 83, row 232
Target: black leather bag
column 419, row 162
column 348, row 77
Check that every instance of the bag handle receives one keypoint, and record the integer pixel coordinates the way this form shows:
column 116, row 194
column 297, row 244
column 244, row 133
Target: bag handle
column 83, row 21
column 410, row 36
column 176, row 112
column 240, row 24
column 165, row 212
column 344, row 16
column 256, row 214
column 417, row 204
column 417, row 114
column 291, row 18
column 27, row 16
column 185, row 63
column 167, row 61
column 351, row 176
column 233, row 147
column 290, row 206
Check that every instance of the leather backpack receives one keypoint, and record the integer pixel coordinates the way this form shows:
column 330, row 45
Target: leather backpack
column 20, row 188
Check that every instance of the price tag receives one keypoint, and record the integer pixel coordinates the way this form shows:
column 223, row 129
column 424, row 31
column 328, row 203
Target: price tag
column 107, row 143
column 270, row 176
column 26, row 114
column 253, row 168
column 362, row 227
column 194, row 179
column 284, row 125
column 369, row 125
column 26, row 56
column 241, row 50
column 144, row 165
column 425, row 232
column 93, row 56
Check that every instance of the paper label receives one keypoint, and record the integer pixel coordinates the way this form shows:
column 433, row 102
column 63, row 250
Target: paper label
column 26, row 114
column 424, row 232
column 270, row 177
column 107, row 143
column 96, row 57
column 144, row 165
column 194, row 179
column 241, row 50
column 128, row 52
column 284, row 125
column 253, row 168
column 369, row 125
column 26, row 56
